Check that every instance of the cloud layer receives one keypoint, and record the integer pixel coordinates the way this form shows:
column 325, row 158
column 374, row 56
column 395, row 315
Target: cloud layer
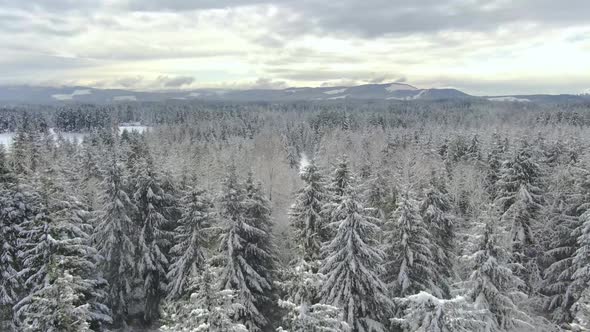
column 482, row 47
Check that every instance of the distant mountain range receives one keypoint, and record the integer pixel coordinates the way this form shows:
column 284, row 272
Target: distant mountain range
column 390, row 91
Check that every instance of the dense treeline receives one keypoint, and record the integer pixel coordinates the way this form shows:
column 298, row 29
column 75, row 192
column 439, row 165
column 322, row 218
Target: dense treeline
column 86, row 117
column 297, row 217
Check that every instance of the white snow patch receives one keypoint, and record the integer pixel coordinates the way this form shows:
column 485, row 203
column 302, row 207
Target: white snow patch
column 586, row 92
column 125, row 98
column 399, row 87
column 512, row 99
column 337, row 97
column 396, row 98
column 6, row 139
column 418, row 95
column 335, row 92
column 71, row 95
column 303, row 162
column 194, row 94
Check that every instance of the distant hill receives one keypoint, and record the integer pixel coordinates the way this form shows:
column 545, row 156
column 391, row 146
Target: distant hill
column 389, row 91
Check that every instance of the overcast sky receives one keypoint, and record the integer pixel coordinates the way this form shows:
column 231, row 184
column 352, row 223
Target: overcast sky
column 482, row 47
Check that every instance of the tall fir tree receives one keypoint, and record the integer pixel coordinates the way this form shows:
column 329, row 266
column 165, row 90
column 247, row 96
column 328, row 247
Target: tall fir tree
column 190, row 240
column 339, row 182
column 154, row 236
column 244, row 251
column 352, row 265
column 206, row 309
column 115, row 238
column 560, row 246
column 19, row 205
column 425, row 312
column 495, row 158
column 435, row 210
column 58, row 306
column 58, row 243
column 492, row 283
column 581, row 259
column 519, row 199
column 410, row 264
column 306, row 218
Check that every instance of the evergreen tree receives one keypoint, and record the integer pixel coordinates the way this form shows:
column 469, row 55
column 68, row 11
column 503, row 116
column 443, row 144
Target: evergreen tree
column 519, row 199
column 473, row 152
column 154, row 236
column 306, row 214
column 581, row 313
column 379, row 196
column 207, row 309
column 6, row 175
column 57, row 244
column 303, row 313
column 56, row 306
column 410, row 265
column 560, row 248
column 581, row 259
column 20, row 160
column 243, row 255
column 426, row 313
column 496, row 157
column 190, row 238
column 492, row 283
column 352, row 267
column 340, row 181
column 114, row 239
column 18, row 207
column 435, row 212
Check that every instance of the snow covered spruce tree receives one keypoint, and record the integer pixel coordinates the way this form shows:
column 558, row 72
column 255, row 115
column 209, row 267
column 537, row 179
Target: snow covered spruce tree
column 379, row 195
column 581, row 259
column 190, row 240
column 18, row 206
column 58, row 306
column 352, row 266
column 57, row 244
column 245, row 255
column 303, row 313
column 426, row 313
column 519, row 200
column 492, row 285
column 340, row 181
column 410, row 263
column 435, row 210
column 258, row 214
column 561, row 244
column 307, row 220
column 206, row 309
column 581, row 313
column 154, row 236
column 115, row 238
column 7, row 177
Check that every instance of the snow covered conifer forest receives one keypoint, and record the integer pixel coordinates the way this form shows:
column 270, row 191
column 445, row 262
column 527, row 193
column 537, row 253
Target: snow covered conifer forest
column 432, row 216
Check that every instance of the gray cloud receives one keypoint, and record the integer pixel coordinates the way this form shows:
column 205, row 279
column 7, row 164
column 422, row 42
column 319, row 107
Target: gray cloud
column 174, row 82
column 24, row 24
column 267, row 83
column 389, row 78
column 369, row 18
column 372, row 18
column 383, row 17
column 129, row 82
column 320, row 74
column 392, row 35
